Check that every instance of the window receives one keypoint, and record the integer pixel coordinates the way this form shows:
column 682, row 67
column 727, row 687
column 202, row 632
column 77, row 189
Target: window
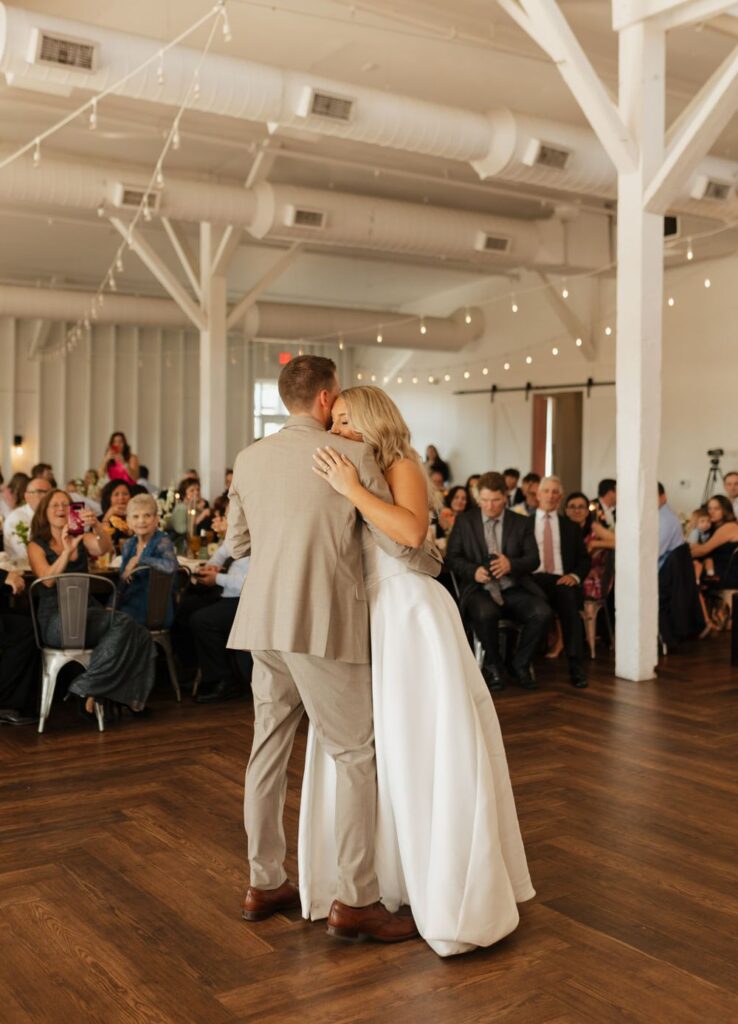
column 269, row 412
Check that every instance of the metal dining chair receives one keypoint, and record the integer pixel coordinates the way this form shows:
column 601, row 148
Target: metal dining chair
column 73, row 591
column 163, row 586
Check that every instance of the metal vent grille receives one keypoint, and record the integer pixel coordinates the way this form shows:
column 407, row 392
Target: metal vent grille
column 496, row 243
column 66, row 52
column 550, row 156
column 337, row 108
column 719, row 190
column 130, row 197
column 308, row 219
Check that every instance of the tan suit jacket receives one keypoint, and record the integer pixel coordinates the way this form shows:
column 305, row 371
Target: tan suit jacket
column 304, row 592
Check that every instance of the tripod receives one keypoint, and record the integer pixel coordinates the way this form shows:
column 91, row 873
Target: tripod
column 714, row 480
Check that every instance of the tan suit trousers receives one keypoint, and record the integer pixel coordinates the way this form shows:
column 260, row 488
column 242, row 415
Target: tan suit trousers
column 338, row 699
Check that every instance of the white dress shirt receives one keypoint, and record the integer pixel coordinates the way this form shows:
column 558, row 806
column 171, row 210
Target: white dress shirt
column 232, row 580
column 14, row 547
column 556, row 536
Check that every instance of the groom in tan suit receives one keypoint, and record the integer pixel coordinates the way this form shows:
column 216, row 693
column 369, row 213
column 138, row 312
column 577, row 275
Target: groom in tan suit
column 303, row 615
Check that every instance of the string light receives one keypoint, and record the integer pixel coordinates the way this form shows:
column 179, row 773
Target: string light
column 554, row 351
column 160, row 69
column 37, row 153
column 579, row 342
column 708, row 282
column 147, row 215
column 399, row 380
column 467, row 375
column 380, row 338
column 92, row 123
column 359, row 376
column 485, row 371
column 111, row 281
column 690, row 254
column 119, row 263
column 564, row 292
column 423, row 328
column 373, row 378
column 340, row 343
column 175, row 136
column 196, row 86
column 529, row 360
column 385, row 380
column 514, row 307
column 227, row 35
column 670, row 300
column 159, row 177
column 415, row 380
column 608, row 330
column 506, row 366
column 467, row 317
column 431, row 380
column 447, row 377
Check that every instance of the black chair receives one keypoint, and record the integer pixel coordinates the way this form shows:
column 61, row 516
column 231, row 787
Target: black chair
column 508, row 629
column 163, row 586
column 73, row 591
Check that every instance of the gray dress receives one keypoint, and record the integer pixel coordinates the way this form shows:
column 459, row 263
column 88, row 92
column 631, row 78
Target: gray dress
column 123, row 663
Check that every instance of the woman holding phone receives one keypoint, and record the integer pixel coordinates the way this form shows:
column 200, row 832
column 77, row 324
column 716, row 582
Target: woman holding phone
column 122, row 665
column 120, row 463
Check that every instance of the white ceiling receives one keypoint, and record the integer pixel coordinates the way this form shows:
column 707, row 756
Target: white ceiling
column 463, row 53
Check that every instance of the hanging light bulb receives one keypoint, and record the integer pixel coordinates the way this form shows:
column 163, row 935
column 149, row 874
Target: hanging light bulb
column 423, row 328
column 300, row 351
column 485, row 371
column 467, row 375
column 564, row 292
column 554, row 351
column 111, row 282
column 415, row 380
column 196, row 86
column 514, row 306
column 399, row 380
column 385, row 380
column 670, row 301
column 159, row 177
column 579, row 342
column 87, row 323
column 690, row 254
column 505, row 366
column 529, row 360
column 146, row 209
column 447, row 377
column 359, row 376
column 37, row 153
column 340, row 343
column 119, row 263
column 373, row 378
column 431, row 379
column 380, row 338
column 160, row 69
column 467, row 317
column 175, row 137
column 92, row 124
column 608, row 330
column 227, row 34
column 708, row 282
column 93, row 313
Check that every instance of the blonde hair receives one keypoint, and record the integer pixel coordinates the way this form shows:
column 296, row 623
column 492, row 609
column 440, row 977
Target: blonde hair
column 146, row 501
column 375, row 416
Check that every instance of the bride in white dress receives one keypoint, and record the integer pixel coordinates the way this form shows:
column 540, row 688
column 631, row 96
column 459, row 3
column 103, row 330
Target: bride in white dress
column 448, row 840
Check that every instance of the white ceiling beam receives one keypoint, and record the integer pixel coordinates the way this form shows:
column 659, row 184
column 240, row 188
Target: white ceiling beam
column 692, row 134
column 280, row 265
column 521, row 19
column 226, row 249
column 161, row 272
column 563, row 47
column 40, row 330
column 575, row 327
column 670, row 13
column 184, row 254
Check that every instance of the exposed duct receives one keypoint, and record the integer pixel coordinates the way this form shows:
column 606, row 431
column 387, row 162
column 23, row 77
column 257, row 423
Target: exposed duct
column 267, row 321
column 512, row 147
column 322, row 216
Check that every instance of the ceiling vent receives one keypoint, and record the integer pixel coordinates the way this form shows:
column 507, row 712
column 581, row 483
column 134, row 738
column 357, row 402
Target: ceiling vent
column 331, row 106
column 545, row 154
column 60, row 51
column 492, row 243
column 300, row 217
column 130, row 197
column 712, row 188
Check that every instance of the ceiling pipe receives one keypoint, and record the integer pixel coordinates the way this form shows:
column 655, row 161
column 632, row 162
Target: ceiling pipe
column 353, row 221
column 266, row 321
column 499, row 144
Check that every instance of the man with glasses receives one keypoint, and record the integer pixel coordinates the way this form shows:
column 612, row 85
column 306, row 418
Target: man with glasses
column 18, row 522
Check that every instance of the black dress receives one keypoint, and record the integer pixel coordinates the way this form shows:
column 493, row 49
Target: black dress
column 123, row 663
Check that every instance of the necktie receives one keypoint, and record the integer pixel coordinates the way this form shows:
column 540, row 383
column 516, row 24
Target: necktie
column 493, row 588
column 548, row 544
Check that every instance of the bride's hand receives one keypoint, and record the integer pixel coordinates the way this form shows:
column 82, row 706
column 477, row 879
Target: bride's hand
column 339, row 471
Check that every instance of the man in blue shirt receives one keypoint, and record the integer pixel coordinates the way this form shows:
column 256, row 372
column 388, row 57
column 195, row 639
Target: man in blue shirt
column 671, row 535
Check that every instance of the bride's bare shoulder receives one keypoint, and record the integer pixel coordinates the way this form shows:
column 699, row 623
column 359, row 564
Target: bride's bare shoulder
column 405, row 471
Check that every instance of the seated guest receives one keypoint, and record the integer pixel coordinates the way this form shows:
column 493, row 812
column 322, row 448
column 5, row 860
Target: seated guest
column 91, row 485
column 700, row 527
column 119, row 462
column 17, row 527
column 114, row 502
column 606, row 500
column 671, row 535
column 436, row 479
column 13, row 494
column 144, row 482
column 434, row 462
column 76, row 491
column 564, row 565
column 190, row 499
column 493, row 553
column 228, row 480
column 578, row 511
column 45, row 471
column 19, row 658
column 211, row 625
column 723, row 542
column 471, row 489
column 442, row 520
column 529, row 487
column 149, row 546
column 515, row 494
column 122, row 663
column 730, row 481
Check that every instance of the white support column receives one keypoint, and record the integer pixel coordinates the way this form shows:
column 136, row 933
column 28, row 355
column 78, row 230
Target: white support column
column 155, row 469
column 7, row 393
column 213, row 362
column 248, row 389
column 638, row 360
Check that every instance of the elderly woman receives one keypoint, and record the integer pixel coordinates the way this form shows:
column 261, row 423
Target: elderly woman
column 122, row 664
column 149, row 546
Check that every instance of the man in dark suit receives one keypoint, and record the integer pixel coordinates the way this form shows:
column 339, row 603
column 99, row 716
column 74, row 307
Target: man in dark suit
column 564, row 564
column 515, row 495
column 607, row 495
column 492, row 552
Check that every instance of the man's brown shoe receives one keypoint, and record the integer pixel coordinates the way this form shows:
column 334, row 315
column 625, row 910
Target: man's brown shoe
column 372, row 922
column 259, row 904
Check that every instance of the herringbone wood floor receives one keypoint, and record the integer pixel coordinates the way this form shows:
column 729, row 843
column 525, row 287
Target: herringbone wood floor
column 122, row 865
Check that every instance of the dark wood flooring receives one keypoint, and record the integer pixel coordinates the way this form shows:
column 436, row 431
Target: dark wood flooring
column 122, row 866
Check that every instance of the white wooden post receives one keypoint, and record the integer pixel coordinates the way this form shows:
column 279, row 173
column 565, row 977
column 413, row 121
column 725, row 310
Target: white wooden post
column 638, row 359
column 213, row 363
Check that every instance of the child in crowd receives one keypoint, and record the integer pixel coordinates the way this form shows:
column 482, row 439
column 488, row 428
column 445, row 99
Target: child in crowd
column 699, row 533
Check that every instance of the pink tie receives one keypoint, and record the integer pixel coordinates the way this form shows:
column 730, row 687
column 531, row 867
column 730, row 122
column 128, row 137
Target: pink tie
column 548, row 545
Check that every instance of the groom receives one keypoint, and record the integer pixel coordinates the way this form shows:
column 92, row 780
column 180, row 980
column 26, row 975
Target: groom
column 304, row 617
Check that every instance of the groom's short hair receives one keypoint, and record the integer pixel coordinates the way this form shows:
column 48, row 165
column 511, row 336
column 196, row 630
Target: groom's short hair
column 303, row 378
column 492, row 482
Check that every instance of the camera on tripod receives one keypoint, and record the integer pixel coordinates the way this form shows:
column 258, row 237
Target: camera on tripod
column 714, row 473
column 716, row 453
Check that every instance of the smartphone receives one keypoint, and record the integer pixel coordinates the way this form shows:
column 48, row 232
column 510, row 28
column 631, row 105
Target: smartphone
column 76, row 523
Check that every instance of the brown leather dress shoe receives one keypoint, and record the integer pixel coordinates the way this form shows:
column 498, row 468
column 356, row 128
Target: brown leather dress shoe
column 259, row 904
column 372, row 922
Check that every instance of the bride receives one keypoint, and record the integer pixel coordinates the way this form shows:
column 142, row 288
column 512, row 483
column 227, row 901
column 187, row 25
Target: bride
column 448, row 839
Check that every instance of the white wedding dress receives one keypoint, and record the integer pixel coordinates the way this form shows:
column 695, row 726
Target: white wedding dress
column 448, row 841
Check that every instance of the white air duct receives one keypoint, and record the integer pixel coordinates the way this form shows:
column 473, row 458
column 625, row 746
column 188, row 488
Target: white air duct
column 324, row 217
column 267, row 321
